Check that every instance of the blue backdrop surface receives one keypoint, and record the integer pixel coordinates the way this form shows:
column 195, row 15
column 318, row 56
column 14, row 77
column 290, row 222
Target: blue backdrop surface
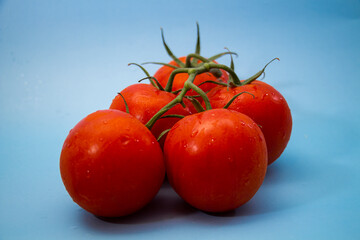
column 61, row 60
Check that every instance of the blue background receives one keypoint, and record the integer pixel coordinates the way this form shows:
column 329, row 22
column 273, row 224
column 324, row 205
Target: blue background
column 62, row 60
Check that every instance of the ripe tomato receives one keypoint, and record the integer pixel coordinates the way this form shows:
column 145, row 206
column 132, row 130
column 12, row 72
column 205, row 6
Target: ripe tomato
column 163, row 74
column 268, row 109
column 111, row 164
column 144, row 101
column 216, row 160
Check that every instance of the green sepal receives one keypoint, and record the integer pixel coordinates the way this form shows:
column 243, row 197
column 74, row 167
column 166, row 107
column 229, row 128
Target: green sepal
column 126, row 105
column 234, row 97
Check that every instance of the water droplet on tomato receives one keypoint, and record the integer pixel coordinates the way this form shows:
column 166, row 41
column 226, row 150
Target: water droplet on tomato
column 105, row 122
column 242, row 124
column 264, row 96
column 101, row 139
column 194, row 133
column 124, row 140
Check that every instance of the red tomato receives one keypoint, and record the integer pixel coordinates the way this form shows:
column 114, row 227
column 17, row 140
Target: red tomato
column 163, row 74
column 216, row 160
column 145, row 101
column 268, row 109
column 111, row 164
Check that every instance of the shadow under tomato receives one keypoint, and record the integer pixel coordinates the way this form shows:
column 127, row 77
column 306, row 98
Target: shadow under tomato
column 290, row 183
column 165, row 206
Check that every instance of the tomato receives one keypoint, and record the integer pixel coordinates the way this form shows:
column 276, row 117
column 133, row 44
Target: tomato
column 163, row 74
column 216, row 160
column 111, row 164
column 145, row 101
column 268, row 108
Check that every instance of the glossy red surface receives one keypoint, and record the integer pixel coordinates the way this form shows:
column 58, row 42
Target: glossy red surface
column 111, row 164
column 268, row 108
column 216, row 160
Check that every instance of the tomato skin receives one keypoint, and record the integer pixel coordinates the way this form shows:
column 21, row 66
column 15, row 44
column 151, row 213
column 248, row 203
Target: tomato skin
column 111, row 164
column 216, row 160
column 144, row 101
column 163, row 74
column 268, row 108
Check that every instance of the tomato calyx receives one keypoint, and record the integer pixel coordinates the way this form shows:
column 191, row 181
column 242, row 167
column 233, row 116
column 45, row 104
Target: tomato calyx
column 227, row 105
column 189, row 85
column 158, row 85
column 191, row 61
column 194, row 65
column 258, row 74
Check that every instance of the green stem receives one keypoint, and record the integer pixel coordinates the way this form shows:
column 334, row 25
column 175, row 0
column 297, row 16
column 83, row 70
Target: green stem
column 169, row 84
column 235, row 78
column 232, row 60
column 258, row 74
column 205, row 67
column 173, row 116
column 177, row 60
column 200, row 92
column 214, row 82
column 220, row 55
column 146, row 72
column 163, row 134
column 196, row 104
column 158, row 85
column 194, row 56
column 178, row 99
column 166, row 108
column 189, row 63
column 164, row 64
column 234, row 97
column 126, row 105
column 197, row 48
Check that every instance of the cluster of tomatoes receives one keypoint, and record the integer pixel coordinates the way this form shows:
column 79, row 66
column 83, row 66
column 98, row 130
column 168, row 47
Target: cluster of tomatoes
column 212, row 134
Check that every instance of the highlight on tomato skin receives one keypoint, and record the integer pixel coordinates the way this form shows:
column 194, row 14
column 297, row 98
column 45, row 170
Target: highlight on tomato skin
column 266, row 106
column 163, row 74
column 111, row 164
column 216, row 160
